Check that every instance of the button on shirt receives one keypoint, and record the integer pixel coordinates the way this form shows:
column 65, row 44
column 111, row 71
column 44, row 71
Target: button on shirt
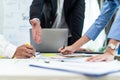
column 108, row 10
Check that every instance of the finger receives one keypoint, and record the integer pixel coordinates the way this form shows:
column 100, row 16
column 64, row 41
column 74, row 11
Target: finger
column 33, row 33
column 31, row 21
column 24, row 57
column 66, row 52
column 31, row 52
column 92, row 59
column 38, row 37
column 109, row 59
column 20, row 57
column 60, row 49
column 100, row 59
column 30, row 47
column 28, row 54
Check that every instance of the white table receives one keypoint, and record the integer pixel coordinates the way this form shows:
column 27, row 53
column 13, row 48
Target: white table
column 19, row 69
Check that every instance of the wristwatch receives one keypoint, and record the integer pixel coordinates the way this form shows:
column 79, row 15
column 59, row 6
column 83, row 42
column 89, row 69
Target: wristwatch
column 112, row 46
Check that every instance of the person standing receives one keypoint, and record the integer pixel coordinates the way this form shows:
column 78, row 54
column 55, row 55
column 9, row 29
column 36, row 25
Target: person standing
column 108, row 10
column 57, row 14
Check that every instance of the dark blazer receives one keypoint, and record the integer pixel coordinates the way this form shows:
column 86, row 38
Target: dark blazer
column 73, row 11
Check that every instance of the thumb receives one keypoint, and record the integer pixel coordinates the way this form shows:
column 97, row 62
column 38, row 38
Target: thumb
column 32, row 22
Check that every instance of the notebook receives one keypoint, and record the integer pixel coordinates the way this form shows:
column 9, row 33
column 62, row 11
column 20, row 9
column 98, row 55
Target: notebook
column 51, row 40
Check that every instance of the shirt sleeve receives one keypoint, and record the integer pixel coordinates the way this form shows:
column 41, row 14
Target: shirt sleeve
column 107, row 12
column 6, row 49
column 115, row 28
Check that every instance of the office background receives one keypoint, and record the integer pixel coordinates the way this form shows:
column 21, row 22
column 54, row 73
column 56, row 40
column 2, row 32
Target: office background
column 14, row 21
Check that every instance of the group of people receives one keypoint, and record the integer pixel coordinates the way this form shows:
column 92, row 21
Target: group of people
column 69, row 14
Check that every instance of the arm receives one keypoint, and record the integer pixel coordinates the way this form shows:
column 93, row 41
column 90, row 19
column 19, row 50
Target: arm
column 74, row 47
column 8, row 50
column 108, row 10
column 35, row 16
column 36, row 9
column 115, row 28
column 114, row 39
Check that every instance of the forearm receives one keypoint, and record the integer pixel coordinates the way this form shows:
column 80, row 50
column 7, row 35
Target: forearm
column 83, row 40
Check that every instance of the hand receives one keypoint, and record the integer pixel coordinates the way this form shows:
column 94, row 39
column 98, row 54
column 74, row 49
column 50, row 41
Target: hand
column 102, row 57
column 24, row 52
column 67, row 50
column 36, row 30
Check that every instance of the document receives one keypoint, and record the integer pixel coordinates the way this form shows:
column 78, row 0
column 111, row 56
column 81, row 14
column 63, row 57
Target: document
column 94, row 69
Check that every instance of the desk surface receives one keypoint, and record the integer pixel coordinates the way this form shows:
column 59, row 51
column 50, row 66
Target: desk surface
column 13, row 69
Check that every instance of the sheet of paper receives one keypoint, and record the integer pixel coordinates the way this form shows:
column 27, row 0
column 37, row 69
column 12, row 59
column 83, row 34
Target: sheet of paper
column 95, row 69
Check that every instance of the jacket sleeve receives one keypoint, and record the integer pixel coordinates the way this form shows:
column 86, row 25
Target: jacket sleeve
column 76, row 18
column 36, row 9
column 6, row 49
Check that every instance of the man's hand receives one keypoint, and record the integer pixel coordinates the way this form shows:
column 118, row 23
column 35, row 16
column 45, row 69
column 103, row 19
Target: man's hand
column 24, row 52
column 36, row 30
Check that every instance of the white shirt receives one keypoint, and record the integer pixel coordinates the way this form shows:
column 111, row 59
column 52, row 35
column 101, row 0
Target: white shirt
column 60, row 19
column 6, row 48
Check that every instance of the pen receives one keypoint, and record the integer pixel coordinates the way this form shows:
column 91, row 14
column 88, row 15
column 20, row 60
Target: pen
column 65, row 43
column 64, row 46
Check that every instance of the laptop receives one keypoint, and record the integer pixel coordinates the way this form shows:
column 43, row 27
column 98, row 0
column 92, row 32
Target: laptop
column 52, row 39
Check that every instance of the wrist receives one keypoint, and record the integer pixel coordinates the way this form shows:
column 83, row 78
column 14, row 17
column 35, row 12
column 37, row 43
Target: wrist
column 110, row 51
column 75, row 47
column 111, row 48
column 34, row 20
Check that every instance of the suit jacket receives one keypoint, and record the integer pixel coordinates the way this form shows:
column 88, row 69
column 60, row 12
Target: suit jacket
column 73, row 12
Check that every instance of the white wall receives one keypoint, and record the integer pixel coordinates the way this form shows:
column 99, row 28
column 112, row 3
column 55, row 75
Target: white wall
column 14, row 15
column 1, row 16
column 91, row 13
column 16, row 21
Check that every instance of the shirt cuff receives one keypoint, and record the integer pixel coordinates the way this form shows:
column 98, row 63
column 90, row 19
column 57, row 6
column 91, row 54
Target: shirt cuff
column 36, row 19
